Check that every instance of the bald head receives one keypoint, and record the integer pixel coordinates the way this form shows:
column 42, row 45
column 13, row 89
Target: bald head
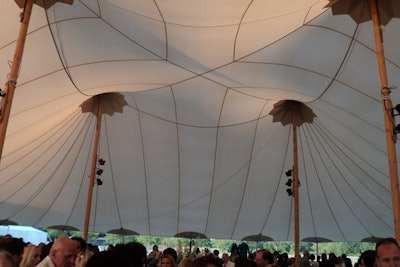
column 63, row 252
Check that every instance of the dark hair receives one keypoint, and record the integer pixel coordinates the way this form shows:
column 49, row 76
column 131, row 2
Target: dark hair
column 368, row 258
column 267, row 256
column 130, row 253
column 172, row 252
column 234, row 247
column 45, row 250
column 82, row 243
column 347, row 262
column 14, row 246
column 216, row 252
column 139, row 249
column 6, row 256
column 205, row 260
column 242, row 262
column 324, row 256
column 107, row 259
column 384, row 241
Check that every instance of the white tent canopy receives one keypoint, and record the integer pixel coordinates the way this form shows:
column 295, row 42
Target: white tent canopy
column 195, row 148
column 27, row 233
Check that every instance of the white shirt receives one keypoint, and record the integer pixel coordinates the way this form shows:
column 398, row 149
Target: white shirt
column 46, row 262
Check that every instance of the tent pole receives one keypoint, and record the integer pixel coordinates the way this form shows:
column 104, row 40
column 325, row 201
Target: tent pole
column 13, row 76
column 388, row 118
column 295, row 189
column 93, row 169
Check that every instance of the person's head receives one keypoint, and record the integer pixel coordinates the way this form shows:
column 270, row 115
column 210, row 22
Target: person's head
column 333, row 258
column 14, row 246
column 234, row 249
column 82, row 258
column 45, row 250
column 155, row 248
column 31, row 256
column 284, row 257
column 132, row 253
column 106, row 259
column 347, row 262
column 367, row 259
column 81, row 244
column 306, row 253
column 172, row 252
column 139, row 250
column 167, row 261
column 6, row 259
column 185, row 262
column 206, row 261
column 63, row 252
column 225, row 257
column 263, row 258
column 387, row 253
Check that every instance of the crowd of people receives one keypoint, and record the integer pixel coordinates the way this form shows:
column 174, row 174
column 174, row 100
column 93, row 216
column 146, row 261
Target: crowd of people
column 75, row 252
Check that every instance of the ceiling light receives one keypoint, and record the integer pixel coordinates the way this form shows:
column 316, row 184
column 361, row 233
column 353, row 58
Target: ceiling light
column 397, row 108
column 290, row 192
column 102, row 161
column 99, row 171
column 396, row 129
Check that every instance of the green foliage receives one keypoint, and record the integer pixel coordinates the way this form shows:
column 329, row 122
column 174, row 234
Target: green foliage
column 223, row 245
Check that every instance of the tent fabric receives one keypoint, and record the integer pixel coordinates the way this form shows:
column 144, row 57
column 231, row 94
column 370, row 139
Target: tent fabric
column 195, row 148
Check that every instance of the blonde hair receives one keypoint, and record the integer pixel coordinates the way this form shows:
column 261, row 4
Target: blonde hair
column 170, row 258
column 185, row 262
column 29, row 255
column 82, row 258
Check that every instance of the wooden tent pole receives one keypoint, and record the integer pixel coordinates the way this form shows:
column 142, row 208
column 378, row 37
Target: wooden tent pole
column 388, row 118
column 13, row 76
column 295, row 189
column 93, row 169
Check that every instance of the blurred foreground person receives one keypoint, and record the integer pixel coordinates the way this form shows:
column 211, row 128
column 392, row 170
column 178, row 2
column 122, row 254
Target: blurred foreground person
column 81, row 244
column 62, row 254
column 185, row 262
column 82, row 258
column 6, row 259
column 31, row 256
column 107, row 259
column 387, row 253
column 367, row 258
column 206, row 261
column 14, row 246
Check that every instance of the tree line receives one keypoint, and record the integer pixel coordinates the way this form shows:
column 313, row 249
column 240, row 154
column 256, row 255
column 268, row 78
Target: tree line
column 223, row 245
